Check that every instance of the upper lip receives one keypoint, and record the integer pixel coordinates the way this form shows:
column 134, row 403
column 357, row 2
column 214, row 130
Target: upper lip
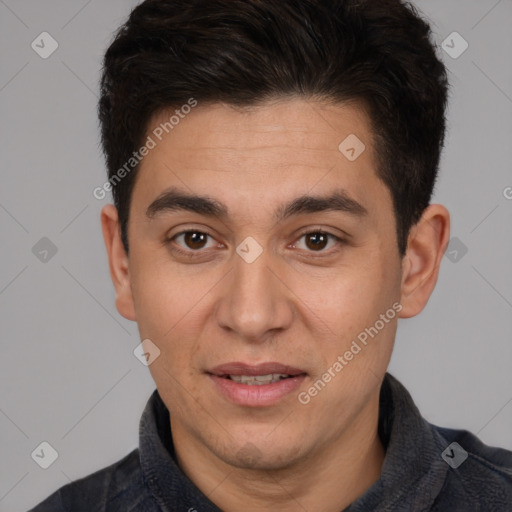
column 238, row 368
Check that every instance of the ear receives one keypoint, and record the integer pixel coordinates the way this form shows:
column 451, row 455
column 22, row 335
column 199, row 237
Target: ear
column 426, row 245
column 118, row 261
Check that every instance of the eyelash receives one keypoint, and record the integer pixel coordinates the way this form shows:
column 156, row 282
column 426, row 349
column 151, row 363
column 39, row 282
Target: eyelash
column 191, row 253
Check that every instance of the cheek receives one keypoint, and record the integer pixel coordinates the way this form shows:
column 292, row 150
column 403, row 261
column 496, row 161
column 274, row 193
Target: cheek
column 349, row 298
column 347, row 308
column 168, row 311
column 356, row 351
column 166, row 297
column 172, row 308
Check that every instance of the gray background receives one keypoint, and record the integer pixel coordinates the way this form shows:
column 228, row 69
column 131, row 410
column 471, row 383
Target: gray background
column 67, row 372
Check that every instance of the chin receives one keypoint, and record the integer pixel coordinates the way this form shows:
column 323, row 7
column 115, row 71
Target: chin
column 263, row 456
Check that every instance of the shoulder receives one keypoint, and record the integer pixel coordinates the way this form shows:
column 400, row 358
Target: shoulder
column 110, row 488
column 480, row 473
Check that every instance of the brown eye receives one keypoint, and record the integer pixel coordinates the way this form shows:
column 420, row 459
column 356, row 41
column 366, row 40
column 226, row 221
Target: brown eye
column 316, row 241
column 195, row 239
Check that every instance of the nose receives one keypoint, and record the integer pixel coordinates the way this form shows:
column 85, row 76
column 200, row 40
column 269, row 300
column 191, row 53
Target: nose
column 255, row 304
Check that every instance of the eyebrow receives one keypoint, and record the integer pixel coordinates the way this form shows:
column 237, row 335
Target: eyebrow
column 174, row 199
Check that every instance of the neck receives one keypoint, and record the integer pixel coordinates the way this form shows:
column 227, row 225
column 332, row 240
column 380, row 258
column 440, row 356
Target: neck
column 327, row 481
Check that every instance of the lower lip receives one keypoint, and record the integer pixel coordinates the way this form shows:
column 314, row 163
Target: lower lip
column 256, row 395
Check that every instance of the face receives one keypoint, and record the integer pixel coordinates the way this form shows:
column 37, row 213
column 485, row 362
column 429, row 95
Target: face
column 257, row 248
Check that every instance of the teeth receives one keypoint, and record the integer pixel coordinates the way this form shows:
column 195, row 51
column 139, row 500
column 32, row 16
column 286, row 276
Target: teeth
column 258, row 380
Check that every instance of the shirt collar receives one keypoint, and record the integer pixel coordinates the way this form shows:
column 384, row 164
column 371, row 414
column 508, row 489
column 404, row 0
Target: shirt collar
column 413, row 468
column 413, row 471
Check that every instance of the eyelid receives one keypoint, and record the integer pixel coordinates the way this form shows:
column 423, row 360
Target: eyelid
column 319, row 229
column 184, row 230
column 172, row 238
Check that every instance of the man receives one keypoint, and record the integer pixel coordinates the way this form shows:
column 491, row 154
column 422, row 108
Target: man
column 272, row 165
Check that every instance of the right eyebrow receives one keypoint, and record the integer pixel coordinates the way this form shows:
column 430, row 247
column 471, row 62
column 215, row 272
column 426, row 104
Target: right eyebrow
column 173, row 200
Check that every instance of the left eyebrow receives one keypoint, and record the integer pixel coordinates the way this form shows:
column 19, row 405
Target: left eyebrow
column 337, row 201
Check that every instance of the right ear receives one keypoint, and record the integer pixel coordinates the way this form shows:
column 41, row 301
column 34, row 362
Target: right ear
column 118, row 261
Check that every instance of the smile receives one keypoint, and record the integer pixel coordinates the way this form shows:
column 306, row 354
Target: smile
column 261, row 385
column 258, row 380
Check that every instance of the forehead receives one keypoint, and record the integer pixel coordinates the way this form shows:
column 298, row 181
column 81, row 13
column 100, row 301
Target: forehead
column 282, row 148
column 298, row 124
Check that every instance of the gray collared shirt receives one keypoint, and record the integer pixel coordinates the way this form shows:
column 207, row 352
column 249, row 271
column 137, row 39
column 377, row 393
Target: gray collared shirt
column 426, row 468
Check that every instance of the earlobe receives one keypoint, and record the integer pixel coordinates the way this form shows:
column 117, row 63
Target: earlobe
column 118, row 261
column 426, row 245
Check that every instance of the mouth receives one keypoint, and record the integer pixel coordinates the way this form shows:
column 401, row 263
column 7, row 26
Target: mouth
column 257, row 380
column 256, row 385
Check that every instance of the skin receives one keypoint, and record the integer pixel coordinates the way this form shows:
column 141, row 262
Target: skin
column 296, row 304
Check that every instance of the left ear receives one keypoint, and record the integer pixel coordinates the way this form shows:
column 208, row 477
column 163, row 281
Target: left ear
column 426, row 245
